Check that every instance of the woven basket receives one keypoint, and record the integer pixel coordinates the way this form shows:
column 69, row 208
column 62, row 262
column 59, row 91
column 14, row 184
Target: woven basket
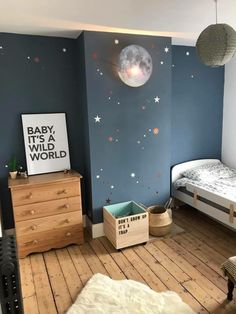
column 160, row 220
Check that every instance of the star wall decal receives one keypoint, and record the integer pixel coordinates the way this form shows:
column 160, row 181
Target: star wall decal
column 97, row 119
column 94, row 55
column 108, row 200
column 155, row 131
column 157, row 99
column 166, row 49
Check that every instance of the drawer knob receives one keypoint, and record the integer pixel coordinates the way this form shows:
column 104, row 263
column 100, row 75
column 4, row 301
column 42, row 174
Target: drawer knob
column 32, row 212
column 62, row 192
column 67, row 206
column 67, row 221
column 34, row 227
column 68, row 234
column 30, row 195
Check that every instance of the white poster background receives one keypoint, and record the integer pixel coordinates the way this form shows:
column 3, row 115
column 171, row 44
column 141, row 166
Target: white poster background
column 46, row 142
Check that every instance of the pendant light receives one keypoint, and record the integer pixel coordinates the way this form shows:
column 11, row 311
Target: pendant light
column 216, row 45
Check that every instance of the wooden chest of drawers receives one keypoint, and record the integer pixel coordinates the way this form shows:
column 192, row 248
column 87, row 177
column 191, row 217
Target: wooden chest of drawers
column 47, row 211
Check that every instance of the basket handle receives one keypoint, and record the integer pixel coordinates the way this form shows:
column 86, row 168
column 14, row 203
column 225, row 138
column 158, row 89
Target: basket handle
column 143, row 206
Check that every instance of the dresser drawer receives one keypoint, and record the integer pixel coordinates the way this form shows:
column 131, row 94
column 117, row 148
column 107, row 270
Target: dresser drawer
column 44, row 209
column 37, row 225
column 43, row 241
column 44, row 193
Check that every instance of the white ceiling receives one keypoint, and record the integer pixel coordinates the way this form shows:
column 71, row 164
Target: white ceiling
column 181, row 19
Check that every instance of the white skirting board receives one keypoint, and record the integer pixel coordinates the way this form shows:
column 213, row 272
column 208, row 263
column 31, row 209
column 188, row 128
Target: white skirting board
column 96, row 230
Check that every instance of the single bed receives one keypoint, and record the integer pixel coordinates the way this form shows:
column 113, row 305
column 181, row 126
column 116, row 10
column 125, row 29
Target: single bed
column 215, row 197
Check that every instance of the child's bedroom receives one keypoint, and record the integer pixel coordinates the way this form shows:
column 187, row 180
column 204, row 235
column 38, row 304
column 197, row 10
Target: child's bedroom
column 118, row 157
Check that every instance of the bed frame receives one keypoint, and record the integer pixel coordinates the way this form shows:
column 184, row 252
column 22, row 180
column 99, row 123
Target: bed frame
column 214, row 205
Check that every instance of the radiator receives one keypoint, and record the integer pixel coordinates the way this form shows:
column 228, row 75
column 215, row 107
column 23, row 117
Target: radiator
column 10, row 289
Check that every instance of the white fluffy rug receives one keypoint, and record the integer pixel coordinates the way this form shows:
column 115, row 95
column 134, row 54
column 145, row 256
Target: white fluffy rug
column 102, row 295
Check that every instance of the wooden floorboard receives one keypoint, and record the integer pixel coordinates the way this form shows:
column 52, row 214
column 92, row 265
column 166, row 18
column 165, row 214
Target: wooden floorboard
column 187, row 263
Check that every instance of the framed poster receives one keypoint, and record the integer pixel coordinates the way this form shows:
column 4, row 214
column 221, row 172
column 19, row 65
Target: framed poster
column 46, row 142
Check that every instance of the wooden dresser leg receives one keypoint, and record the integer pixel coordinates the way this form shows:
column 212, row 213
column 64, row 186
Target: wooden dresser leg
column 230, row 290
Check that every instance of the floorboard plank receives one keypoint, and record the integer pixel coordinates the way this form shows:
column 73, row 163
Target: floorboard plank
column 205, row 270
column 80, row 263
column 30, row 305
column 215, row 243
column 207, row 301
column 59, row 287
column 199, row 253
column 151, row 279
column 202, row 281
column 43, row 291
column 169, row 265
column 207, row 226
column 27, row 282
column 112, row 268
column 71, row 276
column 168, row 279
column 93, row 261
column 187, row 263
column 124, row 264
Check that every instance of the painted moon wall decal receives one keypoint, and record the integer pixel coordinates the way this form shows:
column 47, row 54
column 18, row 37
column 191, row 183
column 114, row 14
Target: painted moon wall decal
column 135, row 65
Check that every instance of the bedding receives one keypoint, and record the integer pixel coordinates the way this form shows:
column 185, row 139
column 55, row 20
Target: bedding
column 223, row 187
column 210, row 172
column 209, row 186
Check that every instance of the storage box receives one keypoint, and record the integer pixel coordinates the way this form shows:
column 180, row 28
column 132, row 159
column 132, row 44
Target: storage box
column 125, row 224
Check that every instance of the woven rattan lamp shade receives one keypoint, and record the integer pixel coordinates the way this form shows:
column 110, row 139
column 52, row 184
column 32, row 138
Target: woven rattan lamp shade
column 216, row 45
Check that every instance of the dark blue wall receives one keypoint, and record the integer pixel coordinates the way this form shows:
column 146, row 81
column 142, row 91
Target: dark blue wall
column 37, row 74
column 197, row 107
column 128, row 115
column 79, row 77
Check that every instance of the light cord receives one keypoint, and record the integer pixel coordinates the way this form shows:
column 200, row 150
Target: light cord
column 216, row 12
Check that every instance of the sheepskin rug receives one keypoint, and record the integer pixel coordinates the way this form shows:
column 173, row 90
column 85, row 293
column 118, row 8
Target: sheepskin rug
column 102, row 295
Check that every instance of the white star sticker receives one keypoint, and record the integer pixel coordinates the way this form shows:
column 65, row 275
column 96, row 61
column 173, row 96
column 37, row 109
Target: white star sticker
column 132, row 175
column 157, row 99
column 187, row 53
column 162, row 62
column 166, row 49
column 116, row 41
column 97, row 119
